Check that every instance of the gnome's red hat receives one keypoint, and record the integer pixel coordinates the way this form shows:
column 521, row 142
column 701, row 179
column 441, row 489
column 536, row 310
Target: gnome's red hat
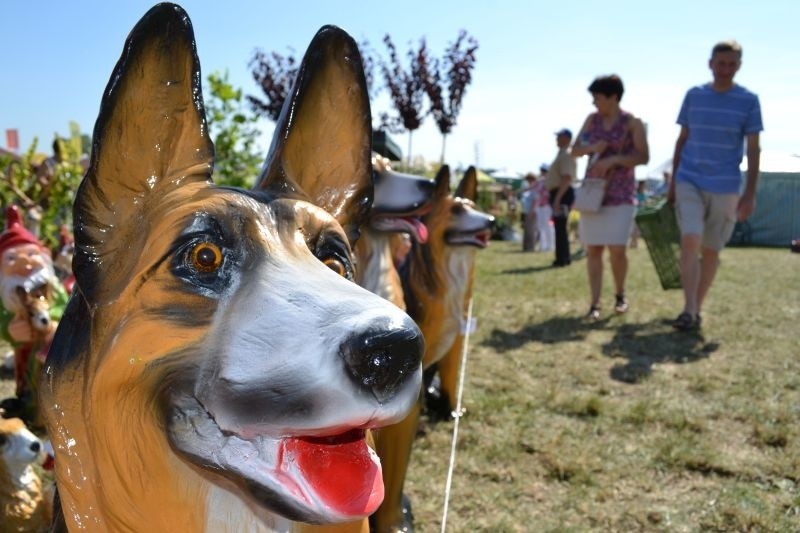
column 15, row 233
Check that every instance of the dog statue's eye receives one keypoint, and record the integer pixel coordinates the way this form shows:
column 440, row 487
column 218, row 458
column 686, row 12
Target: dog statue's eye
column 336, row 265
column 206, row 257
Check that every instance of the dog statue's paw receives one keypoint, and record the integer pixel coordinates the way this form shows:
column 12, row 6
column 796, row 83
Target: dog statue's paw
column 437, row 403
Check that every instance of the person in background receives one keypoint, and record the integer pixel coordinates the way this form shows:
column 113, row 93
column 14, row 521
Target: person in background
column 544, row 214
column 513, row 202
column 559, row 185
column 616, row 141
column 716, row 120
column 527, row 201
column 663, row 188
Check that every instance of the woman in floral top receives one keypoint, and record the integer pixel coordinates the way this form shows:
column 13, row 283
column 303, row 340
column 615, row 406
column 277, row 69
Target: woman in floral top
column 616, row 141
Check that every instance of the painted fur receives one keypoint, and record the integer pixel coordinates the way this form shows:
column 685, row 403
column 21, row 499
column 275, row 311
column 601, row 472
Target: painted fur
column 217, row 367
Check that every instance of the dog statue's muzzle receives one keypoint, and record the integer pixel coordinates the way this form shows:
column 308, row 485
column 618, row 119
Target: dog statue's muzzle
column 384, row 357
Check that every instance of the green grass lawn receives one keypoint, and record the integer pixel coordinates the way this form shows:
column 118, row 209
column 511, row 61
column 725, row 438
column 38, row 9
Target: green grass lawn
column 623, row 424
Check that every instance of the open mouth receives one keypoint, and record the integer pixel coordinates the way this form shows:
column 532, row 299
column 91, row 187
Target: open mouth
column 319, row 478
column 409, row 224
column 479, row 239
column 342, row 471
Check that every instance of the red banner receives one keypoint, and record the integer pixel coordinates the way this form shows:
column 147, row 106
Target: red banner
column 12, row 139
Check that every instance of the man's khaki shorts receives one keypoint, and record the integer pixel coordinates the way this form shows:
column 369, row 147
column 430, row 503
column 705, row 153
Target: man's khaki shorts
column 708, row 214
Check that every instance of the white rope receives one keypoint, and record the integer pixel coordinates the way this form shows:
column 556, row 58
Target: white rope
column 457, row 414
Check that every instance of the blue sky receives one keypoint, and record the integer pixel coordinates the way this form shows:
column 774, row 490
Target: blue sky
column 534, row 62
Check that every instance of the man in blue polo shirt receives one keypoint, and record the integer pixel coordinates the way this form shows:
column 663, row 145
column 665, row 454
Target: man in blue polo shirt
column 717, row 120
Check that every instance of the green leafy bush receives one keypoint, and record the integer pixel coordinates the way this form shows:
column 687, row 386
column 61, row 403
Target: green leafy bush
column 45, row 185
column 234, row 132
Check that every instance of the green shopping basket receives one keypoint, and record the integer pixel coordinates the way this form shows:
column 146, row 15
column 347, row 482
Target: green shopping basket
column 659, row 229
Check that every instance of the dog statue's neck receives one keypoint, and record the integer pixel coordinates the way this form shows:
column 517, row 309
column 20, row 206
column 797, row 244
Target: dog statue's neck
column 196, row 506
column 377, row 272
column 20, row 497
column 440, row 312
column 17, row 476
column 458, row 275
column 226, row 512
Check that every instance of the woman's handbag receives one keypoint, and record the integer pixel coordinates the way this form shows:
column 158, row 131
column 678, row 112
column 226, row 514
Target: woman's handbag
column 589, row 196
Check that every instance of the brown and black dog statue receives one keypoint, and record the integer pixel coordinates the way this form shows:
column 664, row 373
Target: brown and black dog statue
column 439, row 285
column 400, row 200
column 437, row 281
column 217, row 367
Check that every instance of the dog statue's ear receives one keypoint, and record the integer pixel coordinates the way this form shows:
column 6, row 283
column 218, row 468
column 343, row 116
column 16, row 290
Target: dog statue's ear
column 468, row 186
column 323, row 138
column 442, row 182
column 150, row 137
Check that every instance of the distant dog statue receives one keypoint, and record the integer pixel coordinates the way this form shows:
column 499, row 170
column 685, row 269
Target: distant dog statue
column 440, row 276
column 23, row 505
column 217, row 367
column 437, row 282
column 36, row 303
column 400, row 200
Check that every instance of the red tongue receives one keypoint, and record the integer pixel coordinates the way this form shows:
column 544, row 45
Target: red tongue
column 342, row 474
column 420, row 228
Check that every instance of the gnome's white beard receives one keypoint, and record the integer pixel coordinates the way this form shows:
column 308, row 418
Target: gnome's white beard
column 9, row 284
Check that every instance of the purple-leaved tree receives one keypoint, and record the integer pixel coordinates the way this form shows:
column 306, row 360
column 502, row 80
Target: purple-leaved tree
column 275, row 73
column 451, row 75
column 406, row 89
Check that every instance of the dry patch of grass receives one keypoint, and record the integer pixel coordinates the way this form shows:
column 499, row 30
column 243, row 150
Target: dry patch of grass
column 623, row 424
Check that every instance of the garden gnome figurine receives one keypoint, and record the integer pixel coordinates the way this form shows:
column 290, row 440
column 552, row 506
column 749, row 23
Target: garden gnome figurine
column 33, row 301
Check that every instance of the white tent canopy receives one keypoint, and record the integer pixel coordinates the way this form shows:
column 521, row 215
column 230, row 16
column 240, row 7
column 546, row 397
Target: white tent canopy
column 771, row 161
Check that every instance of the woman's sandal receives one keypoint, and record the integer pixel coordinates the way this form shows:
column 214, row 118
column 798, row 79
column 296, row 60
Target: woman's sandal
column 621, row 304
column 686, row 322
column 594, row 313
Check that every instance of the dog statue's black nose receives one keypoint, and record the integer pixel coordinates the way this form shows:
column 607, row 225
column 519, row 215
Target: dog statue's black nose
column 383, row 357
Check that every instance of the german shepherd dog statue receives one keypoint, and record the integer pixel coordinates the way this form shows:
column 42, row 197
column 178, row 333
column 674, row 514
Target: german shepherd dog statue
column 399, row 201
column 217, row 367
column 437, row 284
